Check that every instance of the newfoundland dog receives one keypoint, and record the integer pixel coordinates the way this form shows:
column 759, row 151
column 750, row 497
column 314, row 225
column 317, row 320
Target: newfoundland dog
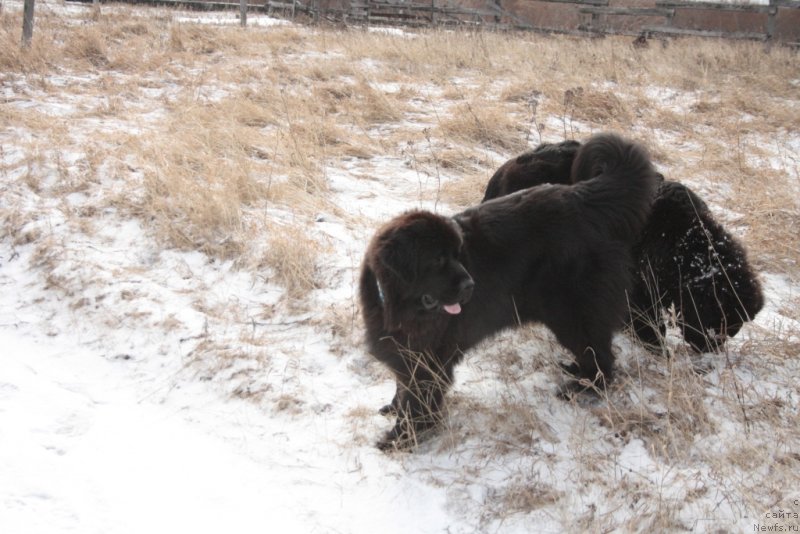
column 431, row 286
column 684, row 258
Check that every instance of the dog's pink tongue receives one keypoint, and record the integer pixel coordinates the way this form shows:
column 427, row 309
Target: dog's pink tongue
column 453, row 309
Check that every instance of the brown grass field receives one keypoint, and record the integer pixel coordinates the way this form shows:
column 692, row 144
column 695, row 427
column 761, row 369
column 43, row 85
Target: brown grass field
column 239, row 143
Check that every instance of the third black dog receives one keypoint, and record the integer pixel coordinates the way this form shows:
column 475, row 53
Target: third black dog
column 684, row 257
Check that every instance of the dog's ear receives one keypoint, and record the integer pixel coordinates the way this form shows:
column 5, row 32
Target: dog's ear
column 379, row 299
column 395, row 267
column 397, row 254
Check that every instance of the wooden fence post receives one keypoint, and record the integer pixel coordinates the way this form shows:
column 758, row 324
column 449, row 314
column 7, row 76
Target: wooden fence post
column 243, row 12
column 771, row 16
column 27, row 23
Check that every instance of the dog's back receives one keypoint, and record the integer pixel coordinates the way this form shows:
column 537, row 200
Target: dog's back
column 618, row 183
column 548, row 163
column 625, row 189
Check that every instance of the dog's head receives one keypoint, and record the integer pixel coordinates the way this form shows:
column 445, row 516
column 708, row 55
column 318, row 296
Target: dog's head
column 415, row 258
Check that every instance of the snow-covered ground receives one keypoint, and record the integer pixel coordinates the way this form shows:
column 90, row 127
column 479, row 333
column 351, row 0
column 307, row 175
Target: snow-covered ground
column 108, row 424
column 93, row 443
column 107, row 428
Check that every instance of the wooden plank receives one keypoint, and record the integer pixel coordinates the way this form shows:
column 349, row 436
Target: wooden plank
column 632, row 11
column 384, row 9
column 517, row 22
column 471, row 12
column 192, row 4
column 580, row 2
column 406, row 7
column 667, row 30
column 752, row 8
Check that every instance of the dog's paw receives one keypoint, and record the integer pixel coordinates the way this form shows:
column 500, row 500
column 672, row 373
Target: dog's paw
column 396, row 440
column 405, row 437
column 388, row 410
column 570, row 368
column 581, row 388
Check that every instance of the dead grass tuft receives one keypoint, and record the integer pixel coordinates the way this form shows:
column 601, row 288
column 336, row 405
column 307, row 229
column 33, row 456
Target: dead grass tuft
column 599, row 107
column 200, row 40
column 377, row 106
column 773, row 218
column 486, row 124
column 293, row 257
column 199, row 178
column 88, row 44
column 343, row 322
column 466, row 191
column 524, row 498
column 666, row 407
column 13, row 58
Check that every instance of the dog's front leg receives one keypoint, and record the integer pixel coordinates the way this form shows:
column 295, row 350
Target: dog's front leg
column 418, row 406
column 392, row 407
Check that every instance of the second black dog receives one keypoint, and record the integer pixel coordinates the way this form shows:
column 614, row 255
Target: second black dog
column 684, row 257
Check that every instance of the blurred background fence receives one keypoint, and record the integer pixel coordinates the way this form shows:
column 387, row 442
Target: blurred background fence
column 765, row 20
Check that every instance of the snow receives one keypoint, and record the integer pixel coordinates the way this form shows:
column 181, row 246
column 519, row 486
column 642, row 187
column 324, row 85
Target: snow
column 109, row 425
column 95, row 449
column 232, row 17
column 109, row 430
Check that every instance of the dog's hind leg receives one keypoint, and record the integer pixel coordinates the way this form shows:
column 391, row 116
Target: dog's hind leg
column 648, row 329
column 594, row 361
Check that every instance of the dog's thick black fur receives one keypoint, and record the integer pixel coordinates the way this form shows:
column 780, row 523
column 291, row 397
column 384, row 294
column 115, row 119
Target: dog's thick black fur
column 687, row 259
column 431, row 287
column 546, row 164
column 684, row 258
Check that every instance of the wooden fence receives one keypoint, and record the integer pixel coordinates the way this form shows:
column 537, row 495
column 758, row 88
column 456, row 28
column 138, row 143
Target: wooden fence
column 777, row 21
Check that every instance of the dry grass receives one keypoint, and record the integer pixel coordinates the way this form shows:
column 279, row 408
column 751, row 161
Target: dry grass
column 666, row 407
column 294, row 260
column 222, row 141
column 199, row 178
column 239, row 132
column 597, row 107
column 484, row 124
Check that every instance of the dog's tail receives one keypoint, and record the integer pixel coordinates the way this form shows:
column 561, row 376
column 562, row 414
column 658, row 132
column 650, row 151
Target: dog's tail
column 617, row 183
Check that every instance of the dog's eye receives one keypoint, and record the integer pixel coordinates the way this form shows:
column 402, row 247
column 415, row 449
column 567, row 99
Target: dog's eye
column 428, row 302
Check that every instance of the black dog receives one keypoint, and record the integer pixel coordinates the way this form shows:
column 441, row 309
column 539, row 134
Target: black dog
column 684, row 257
column 431, row 287
column 546, row 164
